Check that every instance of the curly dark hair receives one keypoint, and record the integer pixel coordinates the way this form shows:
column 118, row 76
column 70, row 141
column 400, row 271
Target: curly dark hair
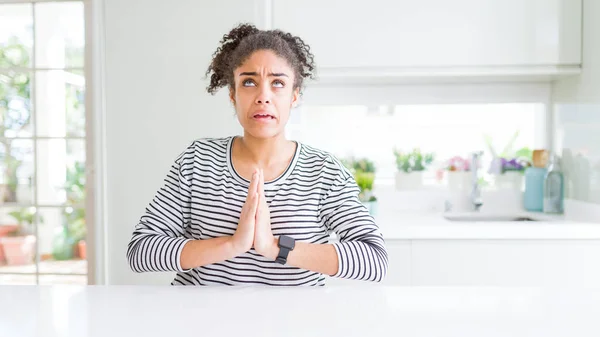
column 237, row 46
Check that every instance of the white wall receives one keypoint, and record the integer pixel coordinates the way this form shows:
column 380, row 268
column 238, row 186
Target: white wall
column 156, row 53
column 577, row 120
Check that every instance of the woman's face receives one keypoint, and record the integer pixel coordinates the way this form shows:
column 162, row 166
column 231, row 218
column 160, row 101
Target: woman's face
column 264, row 94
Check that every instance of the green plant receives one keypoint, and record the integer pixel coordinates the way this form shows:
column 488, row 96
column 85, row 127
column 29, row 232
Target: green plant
column 14, row 109
column 12, row 181
column 25, row 217
column 74, row 228
column 75, row 189
column 363, row 171
column 365, row 180
column 359, row 165
column 525, row 153
column 75, row 183
column 413, row 161
column 508, row 152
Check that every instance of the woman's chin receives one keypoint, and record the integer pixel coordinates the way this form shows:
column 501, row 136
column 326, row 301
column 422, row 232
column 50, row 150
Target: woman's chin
column 263, row 133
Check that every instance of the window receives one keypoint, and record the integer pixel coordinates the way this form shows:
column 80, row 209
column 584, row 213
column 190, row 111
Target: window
column 446, row 130
column 42, row 143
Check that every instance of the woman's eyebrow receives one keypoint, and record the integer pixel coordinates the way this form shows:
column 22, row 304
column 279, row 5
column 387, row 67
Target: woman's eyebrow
column 253, row 73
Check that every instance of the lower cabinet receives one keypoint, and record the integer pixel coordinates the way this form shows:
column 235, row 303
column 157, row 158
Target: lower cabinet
column 505, row 262
column 574, row 263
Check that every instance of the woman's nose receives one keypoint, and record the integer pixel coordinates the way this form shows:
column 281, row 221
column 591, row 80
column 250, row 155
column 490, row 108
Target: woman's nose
column 262, row 100
column 264, row 96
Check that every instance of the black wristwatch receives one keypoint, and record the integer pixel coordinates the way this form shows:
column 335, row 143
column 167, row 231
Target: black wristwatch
column 286, row 245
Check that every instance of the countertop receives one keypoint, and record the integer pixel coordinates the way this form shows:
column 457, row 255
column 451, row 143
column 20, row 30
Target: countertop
column 423, row 226
column 372, row 310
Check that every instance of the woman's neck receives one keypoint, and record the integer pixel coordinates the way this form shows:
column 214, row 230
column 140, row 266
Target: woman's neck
column 264, row 152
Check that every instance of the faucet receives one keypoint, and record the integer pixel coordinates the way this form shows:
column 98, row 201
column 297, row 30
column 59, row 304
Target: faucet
column 476, row 201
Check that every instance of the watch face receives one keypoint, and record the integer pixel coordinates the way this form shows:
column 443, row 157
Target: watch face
column 287, row 242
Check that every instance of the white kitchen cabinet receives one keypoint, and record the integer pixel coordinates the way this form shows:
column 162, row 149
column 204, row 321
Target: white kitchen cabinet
column 398, row 270
column 382, row 36
column 505, row 263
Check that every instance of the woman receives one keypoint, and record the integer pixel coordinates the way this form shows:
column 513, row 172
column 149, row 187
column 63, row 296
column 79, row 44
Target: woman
column 258, row 208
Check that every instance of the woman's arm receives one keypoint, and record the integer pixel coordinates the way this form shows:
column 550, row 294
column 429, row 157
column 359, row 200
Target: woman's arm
column 321, row 258
column 360, row 253
column 157, row 240
column 198, row 253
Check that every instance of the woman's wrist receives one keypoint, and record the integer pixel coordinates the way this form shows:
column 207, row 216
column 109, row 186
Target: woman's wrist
column 197, row 253
column 234, row 248
column 274, row 249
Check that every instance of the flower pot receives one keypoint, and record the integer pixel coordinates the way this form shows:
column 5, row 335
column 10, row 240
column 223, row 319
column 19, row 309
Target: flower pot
column 459, row 180
column 512, row 180
column 18, row 250
column 409, row 181
column 4, row 230
column 458, row 198
column 81, row 249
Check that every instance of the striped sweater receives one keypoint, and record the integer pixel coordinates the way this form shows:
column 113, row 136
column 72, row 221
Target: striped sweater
column 202, row 197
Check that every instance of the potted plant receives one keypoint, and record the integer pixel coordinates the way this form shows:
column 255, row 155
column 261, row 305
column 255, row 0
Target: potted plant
column 509, row 166
column 458, row 173
column 363, row 171
column 76, row 231
column 512, row 171
column 19, row 245
column 410, row 167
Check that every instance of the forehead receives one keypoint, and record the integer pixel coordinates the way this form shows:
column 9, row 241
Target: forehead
column 265, row 60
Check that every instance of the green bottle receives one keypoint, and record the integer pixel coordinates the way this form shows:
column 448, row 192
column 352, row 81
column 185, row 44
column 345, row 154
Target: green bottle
column 554, row 187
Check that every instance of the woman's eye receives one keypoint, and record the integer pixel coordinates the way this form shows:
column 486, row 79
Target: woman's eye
column 248, row 83
column 278, row 84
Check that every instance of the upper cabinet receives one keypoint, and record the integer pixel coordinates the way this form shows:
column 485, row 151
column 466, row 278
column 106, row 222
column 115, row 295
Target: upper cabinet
column 497, row 37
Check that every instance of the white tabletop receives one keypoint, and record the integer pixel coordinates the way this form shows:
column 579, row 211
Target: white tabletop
column 328, row 311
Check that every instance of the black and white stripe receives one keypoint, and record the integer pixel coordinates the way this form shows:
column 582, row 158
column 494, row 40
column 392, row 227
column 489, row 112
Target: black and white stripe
column 202, row 198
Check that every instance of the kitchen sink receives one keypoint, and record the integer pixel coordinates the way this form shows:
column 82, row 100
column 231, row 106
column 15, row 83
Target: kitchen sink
column 487, row 217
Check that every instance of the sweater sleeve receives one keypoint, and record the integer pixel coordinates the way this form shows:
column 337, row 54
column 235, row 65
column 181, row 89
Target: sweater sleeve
column 157, row 239
column 361, row 248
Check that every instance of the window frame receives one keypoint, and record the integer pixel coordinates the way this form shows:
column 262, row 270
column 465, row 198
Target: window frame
column 92, row 27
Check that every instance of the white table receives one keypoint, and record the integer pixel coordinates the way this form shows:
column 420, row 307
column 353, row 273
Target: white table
column 370, row 310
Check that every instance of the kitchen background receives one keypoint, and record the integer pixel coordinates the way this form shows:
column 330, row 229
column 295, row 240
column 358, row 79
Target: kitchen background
column 98, row 97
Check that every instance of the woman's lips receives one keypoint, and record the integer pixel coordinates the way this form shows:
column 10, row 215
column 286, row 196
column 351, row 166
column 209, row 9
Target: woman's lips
column 263, row 115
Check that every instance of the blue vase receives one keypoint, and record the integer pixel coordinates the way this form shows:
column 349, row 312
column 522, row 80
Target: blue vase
column 533, row 197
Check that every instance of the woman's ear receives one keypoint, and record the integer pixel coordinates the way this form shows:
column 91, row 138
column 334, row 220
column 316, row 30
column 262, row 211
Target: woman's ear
column 295, row 98
column 232, row 96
